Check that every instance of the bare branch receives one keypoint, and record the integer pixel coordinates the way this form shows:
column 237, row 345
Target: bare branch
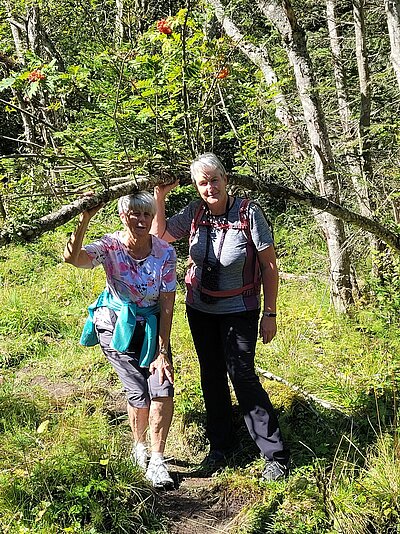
column 66, row 213
column 308, row 396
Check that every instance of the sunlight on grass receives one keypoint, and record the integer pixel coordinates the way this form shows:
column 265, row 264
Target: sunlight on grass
column 326, row 354
column 66, row 451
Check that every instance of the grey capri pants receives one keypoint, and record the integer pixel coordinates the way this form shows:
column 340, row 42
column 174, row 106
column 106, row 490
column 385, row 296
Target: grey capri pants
column 139, row 384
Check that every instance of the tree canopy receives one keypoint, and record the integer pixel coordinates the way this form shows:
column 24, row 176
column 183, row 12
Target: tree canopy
column 299, row 101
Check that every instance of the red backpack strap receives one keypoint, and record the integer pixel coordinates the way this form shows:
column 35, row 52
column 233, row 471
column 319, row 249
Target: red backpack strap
column 195, row 221
column 251, row 269
column 244, row 217
column 190, row 278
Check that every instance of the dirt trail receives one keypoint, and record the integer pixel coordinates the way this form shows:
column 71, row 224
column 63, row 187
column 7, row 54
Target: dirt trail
column 198, row 505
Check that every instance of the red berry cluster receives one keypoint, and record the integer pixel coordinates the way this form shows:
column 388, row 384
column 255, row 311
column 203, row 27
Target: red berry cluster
column 164, row 27
column 223, row 73
column 36, row 76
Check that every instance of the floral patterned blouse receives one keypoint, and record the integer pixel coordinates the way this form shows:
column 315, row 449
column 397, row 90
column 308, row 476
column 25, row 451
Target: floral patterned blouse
column 140, row 281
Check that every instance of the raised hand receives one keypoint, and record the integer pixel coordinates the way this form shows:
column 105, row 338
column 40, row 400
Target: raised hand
column 162, row 190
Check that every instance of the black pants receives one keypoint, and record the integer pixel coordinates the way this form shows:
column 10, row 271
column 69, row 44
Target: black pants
column 225, row 345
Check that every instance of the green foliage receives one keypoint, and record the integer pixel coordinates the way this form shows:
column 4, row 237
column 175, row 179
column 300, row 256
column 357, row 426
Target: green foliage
column 65, row 465
column 384, row 292
column 300, row 246
column 81, row 484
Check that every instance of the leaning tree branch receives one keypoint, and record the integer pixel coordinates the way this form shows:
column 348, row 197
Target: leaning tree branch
column 322, row 203
column 28, row 232
column 308, row 396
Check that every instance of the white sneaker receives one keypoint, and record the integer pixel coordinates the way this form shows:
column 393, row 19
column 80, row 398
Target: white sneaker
column 157, row 473
column 139, row 456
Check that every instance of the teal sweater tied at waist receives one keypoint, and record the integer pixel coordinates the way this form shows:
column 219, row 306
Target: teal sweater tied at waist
column 124, row 326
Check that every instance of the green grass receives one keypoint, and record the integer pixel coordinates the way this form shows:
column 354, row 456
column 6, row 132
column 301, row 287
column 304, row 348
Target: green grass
column 65, row 465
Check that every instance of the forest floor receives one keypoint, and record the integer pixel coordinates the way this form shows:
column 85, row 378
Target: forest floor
column 196, row 505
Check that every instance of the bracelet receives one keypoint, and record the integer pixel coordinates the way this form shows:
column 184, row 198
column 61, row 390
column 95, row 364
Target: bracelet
column 269, row 314
column 163, row 351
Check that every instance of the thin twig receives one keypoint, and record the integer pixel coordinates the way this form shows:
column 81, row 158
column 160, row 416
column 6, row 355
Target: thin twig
column 229, row 119
column 185, row 94
column 69, row 138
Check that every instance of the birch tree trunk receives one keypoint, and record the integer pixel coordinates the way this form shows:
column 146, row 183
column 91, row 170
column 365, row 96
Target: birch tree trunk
column 392, row 8
column 32, row 28
column 365, row 102
column 284, row 19
column 17, row 32
column 360, row 174
column 367, row 206
column 349, row 127
column 119, row 24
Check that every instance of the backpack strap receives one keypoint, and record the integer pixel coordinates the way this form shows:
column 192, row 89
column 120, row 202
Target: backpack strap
column 196, row 220
column 190, row 279
column 251, row 270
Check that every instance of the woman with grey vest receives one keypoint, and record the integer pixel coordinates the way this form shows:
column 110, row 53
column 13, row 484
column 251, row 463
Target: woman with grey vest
column 232, row 256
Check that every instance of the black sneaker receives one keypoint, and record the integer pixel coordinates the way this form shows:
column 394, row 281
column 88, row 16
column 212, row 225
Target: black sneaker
column 213, row 462
column 273, row 470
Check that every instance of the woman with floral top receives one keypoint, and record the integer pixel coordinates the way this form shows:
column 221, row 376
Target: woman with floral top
column 132, row 320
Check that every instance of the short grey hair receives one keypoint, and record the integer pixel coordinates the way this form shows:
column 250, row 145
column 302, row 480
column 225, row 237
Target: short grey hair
column 204, row 162
column 142, row 201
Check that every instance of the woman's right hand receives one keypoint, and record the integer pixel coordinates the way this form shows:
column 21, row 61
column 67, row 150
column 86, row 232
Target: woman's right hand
column 88, row 214
column 91, row 212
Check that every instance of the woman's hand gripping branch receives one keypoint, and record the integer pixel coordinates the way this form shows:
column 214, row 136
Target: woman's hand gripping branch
column 159, row 225
column 73, row 252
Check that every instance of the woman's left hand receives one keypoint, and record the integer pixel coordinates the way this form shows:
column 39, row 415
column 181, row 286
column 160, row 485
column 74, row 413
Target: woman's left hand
column 163, row 365
column 267, row 329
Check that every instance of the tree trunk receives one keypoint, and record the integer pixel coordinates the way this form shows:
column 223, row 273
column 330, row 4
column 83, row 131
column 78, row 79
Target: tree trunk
column 364, row 130
column 392, row 8
column 33, row 25
column 350, row 129
column 365, row 103
column 119, row 24
column 27, row 121
column 17, row 31
column 359, row 163
column 3, row 213
column 283, row 18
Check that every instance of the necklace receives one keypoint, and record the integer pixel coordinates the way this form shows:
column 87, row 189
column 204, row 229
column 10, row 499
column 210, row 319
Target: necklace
column 138, row 257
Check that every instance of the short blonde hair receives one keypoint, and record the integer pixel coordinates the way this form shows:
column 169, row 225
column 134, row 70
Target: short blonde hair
column 142, row 201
